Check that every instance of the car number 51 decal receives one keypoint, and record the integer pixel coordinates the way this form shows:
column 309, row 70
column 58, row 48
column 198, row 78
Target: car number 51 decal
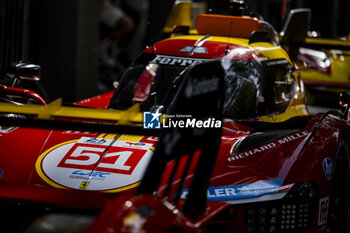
column 94, row 164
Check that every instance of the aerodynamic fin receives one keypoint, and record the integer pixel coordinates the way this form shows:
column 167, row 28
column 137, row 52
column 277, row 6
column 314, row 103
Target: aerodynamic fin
column 200, row 97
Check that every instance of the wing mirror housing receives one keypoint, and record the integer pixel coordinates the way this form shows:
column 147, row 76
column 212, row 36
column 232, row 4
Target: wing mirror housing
column 295, row 30
column 23, row 71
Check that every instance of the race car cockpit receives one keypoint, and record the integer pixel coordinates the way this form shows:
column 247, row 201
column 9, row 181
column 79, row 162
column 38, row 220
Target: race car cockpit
column 252, row 87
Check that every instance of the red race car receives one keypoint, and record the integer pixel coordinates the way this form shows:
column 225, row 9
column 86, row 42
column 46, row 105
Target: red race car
column 234, row 149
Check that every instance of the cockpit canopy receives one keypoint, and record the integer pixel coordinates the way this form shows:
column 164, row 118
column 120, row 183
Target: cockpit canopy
column 252, row 87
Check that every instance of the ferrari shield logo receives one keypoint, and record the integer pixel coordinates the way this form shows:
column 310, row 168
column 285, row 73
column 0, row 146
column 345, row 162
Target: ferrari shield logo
column 84, row 185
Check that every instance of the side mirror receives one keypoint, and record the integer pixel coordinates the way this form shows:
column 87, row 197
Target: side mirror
column 344, row 101
column 295, row 30
column 24, row 71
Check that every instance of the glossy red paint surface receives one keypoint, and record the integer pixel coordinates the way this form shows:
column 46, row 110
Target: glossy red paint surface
column 214, row 49
column 100, row 101
column 281, row 160
column 296, row 157
column 284, row 160
column 23, row 93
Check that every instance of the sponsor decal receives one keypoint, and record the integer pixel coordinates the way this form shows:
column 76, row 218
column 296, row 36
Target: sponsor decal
column 176, row 61
column 94, row 164
column 267, row 146
column 327, row 166
column 194, row 49
column 75, row 132
column 277, row 62
column 135, row 143
column 196, row 87
column 86, row 175
column 323, row 210
column 242, row 191
column 151, row 120
column 97, row 141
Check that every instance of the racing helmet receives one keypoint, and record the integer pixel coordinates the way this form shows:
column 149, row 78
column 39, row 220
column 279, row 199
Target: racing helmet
column 256, row 88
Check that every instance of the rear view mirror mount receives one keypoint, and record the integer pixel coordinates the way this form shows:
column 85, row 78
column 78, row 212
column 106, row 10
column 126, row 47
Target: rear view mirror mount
column 295, row 30
column 23, row 71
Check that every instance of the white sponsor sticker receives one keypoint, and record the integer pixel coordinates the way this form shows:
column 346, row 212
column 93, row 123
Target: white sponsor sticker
column 94, row 164
column 323, row 210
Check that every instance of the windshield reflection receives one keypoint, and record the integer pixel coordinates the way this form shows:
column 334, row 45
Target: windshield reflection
column 252, row 88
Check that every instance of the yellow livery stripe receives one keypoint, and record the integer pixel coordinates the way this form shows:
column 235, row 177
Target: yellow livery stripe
column 55, row 109
column 266, row 49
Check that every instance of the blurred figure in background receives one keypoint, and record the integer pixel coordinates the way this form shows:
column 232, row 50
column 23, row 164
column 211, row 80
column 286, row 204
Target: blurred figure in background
column 134, row 42
column 114, row 25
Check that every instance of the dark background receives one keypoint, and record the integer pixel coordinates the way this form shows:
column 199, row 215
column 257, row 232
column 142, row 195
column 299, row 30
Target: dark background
column 63, row 35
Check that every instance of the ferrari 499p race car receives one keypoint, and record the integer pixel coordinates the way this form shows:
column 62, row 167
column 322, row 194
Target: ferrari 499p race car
column 204, row 133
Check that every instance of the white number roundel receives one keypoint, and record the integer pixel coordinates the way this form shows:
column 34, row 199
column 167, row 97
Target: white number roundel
column 94, row 164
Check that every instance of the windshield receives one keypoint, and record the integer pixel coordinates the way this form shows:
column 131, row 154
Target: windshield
column 252, row 88
column 149, row 80
column 242, row 88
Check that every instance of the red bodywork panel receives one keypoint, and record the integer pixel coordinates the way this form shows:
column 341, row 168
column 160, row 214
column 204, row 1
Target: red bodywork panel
column 22, row 93
column 214, row 49
column 54, row 167
column 100, row 101
column 279, row 159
